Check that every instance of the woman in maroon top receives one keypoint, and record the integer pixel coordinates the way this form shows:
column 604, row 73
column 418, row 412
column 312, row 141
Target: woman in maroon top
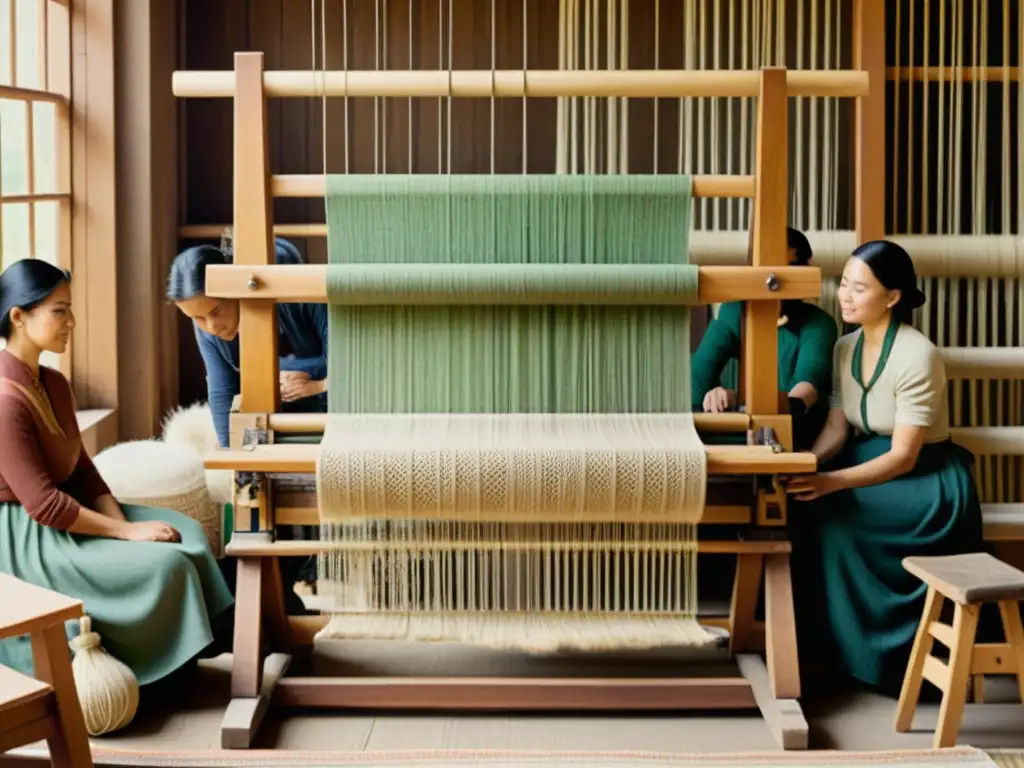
column 146, row 576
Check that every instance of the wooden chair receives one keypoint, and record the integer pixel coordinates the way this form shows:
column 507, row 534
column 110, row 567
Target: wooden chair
column 969, row 581
column 47, row 706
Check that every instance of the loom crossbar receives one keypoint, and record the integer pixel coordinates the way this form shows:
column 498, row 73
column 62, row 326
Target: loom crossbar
column 290, row 283
column 532, row 83
column 722, row 459
column 762, row 556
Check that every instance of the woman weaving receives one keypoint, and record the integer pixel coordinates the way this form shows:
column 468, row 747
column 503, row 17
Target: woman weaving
column 302, row 337
column 896, row 486
column 807, row 335
column 146, row 576
column 302, row 340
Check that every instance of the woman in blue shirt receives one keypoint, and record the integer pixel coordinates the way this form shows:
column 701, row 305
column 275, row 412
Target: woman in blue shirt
column 302, row 337
column 302, row 342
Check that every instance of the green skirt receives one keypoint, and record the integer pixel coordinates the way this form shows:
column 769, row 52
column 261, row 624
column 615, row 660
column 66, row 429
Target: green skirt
column 153, row 604
column 858, row 538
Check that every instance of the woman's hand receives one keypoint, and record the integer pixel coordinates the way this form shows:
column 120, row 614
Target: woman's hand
column 150, row 531
column 810, row 487
column 295, row 385
column 719, row 400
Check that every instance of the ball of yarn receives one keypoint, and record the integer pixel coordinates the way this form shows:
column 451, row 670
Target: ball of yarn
column 107, row 688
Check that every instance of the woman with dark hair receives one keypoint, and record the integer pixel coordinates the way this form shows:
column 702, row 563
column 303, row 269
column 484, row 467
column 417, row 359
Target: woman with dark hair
column 146, row 576
column 302, row 337
column 807, row 335
column 302, row 343
column 891, row 481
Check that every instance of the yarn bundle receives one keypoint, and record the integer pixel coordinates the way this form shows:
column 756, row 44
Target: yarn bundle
column 107, row 688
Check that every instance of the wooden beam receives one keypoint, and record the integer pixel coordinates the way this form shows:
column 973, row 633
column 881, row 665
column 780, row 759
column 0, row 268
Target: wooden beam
column 534, row 83
column 769, row 252
column 722, row 459
column 869, row 56
column 315, row 185
column 253, row 235
column 246, row 548
column 314, row 423
column 290, row 283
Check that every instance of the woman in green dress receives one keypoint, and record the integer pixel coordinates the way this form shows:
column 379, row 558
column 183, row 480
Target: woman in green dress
column 807, row 335
column 891, row 482
column 146, row 576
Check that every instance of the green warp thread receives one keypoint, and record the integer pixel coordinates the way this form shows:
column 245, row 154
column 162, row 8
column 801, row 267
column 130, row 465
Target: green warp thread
column 497, row 355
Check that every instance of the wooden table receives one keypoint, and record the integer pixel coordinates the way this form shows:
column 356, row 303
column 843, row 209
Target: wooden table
column 47, row 706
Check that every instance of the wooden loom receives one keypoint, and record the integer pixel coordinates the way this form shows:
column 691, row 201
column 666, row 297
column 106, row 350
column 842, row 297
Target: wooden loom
column 762, row 549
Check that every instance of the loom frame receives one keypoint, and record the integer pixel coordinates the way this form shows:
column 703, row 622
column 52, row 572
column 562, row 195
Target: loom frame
column 773, row 685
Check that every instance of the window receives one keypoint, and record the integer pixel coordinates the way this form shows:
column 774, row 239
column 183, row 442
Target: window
column 35, row 136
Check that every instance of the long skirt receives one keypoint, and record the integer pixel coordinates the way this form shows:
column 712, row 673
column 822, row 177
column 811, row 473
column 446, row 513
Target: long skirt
column 153, row 604
column 856, row 540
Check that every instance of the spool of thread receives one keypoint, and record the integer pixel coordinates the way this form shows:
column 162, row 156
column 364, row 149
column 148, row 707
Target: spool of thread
column 107, row 688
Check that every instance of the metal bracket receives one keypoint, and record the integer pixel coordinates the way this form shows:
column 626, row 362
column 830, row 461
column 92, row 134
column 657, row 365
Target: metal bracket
column 249, row 484
column 766, row 436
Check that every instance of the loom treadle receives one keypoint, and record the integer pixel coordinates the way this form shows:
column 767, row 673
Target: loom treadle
column 243, row 716
column 510, row 693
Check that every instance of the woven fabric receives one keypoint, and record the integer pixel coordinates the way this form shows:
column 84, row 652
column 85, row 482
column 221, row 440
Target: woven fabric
column 511, row 467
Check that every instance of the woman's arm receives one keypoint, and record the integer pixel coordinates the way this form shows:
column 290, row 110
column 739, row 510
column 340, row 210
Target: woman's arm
column 813, row 369
column 898, row 460
column 90, row 523
column 107, row 505
column 720, row 343
column 222, row 384
column 832, row 437
column 24, row 470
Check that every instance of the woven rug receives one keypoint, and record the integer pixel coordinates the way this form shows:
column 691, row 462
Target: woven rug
column 946, row 758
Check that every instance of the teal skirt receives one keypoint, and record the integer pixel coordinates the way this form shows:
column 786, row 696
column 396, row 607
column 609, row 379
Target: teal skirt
column 854, row 542
column 153, row 604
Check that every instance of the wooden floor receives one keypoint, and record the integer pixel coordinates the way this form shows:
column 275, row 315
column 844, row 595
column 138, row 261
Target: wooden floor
column 839, row 718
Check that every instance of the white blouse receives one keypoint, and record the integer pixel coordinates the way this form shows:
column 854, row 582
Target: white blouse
column 910, row 389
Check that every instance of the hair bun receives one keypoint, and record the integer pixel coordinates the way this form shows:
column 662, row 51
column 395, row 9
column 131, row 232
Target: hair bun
column 913, row 298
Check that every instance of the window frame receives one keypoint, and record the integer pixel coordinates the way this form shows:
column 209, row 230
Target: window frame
column 75, row 60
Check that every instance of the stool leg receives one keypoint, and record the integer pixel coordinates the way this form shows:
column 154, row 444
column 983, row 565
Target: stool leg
column 965, row 623
column 923, row 641
column 1010, row 611
column 69, row 745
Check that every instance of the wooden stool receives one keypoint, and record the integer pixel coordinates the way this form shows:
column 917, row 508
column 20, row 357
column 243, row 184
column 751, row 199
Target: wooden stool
column 969, row 581
column 47, row 706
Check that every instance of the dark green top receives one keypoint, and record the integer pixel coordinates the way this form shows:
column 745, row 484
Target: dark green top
column 805, row 351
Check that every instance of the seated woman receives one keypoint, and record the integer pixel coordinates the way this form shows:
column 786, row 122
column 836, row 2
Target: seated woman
column 146, row 576
column 302, row 337
column 894, row 485
column 302, row 343
column 807, row 335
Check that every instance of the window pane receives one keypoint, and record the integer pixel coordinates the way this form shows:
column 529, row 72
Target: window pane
column 44, row 143
column 47, row 232
column 16, row 233
column 13, row 147
column 28, row 48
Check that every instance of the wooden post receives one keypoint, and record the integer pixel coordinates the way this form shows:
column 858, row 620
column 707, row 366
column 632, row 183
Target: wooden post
column 869, row 55
column 760, row 327
column 253, row 235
